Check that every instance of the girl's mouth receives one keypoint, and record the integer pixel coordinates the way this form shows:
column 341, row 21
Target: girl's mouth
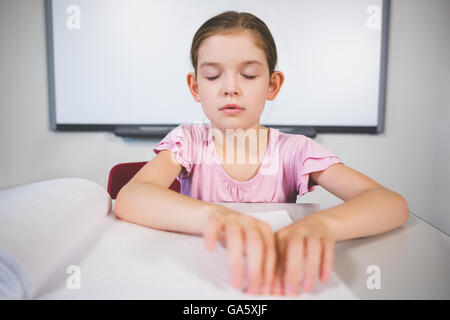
column 231, row 109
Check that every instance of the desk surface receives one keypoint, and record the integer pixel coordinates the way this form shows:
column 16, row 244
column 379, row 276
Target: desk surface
column 414, row 259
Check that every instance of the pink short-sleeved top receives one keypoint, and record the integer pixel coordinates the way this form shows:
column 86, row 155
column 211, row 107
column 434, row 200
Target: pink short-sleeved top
column 282, row 175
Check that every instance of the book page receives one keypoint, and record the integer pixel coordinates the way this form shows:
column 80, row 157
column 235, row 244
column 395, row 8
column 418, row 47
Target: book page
column 41, row 226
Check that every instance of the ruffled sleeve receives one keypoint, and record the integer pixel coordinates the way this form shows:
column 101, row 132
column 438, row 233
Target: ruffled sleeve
column 178, row 141
column 311, row 157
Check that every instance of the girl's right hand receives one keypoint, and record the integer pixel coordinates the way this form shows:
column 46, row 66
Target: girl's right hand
column 244, row 235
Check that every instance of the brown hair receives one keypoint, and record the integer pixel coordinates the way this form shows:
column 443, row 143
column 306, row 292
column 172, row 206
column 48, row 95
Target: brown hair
column 231, row 22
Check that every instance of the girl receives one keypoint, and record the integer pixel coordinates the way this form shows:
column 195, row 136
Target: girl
column 234, row 56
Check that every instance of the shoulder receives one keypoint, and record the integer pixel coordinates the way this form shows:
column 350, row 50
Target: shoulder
column 185, row 141
column 307, row 147
column 291, row 142
column 194, row 133
column 188, row 131
column 301, row 149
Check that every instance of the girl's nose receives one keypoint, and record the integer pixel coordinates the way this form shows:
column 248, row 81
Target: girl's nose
column 231, row 87
column 231, row 92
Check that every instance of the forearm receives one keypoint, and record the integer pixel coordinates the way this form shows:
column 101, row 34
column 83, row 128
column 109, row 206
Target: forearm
column 160, row 208
column 372, row 212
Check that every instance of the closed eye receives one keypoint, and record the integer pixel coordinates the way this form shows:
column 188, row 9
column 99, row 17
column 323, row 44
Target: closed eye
column 214, row 78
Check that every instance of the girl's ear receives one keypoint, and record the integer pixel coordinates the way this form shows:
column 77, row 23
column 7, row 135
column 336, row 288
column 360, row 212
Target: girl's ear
column 275, row 84
column 193, row 86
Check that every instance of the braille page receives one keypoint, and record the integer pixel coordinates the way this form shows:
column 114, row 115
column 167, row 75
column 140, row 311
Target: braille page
column 131, row 261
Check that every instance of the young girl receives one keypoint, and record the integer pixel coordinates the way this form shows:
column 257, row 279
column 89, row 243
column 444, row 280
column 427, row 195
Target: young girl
column 234, row 55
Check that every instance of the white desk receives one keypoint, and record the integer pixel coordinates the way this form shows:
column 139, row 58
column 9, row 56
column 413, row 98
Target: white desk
column 414, row 260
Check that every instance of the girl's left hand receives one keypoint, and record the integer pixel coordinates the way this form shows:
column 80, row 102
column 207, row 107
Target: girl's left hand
column 309, row 239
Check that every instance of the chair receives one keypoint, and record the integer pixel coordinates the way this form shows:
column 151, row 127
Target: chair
column 121, row 173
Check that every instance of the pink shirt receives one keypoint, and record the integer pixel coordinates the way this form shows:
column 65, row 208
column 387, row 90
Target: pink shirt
column 282, row 175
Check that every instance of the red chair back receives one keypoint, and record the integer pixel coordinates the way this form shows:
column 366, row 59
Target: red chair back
column 121, row 173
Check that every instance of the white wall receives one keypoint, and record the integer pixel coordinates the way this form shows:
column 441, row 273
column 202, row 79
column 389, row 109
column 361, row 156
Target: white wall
column 411, row 157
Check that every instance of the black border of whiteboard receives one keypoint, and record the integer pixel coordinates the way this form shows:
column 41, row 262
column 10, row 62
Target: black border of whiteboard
column 160, row 130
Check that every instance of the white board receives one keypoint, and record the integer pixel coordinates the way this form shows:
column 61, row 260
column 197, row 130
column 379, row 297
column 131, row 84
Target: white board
column 125, row 62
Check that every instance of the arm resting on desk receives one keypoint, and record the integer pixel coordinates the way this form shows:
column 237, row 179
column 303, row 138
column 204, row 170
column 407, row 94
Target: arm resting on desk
column 157, row 207
column 369, row 209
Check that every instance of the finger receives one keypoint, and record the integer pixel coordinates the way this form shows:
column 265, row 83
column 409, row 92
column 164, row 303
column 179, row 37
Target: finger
column 235, row 246
column 269, row 259
column 312, row 262
column 254, row 249
column 278, row 285
column 212, row 230
column 327, row 260
column 293, row 264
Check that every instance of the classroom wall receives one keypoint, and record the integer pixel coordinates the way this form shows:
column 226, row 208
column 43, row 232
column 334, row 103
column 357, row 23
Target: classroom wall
column 411, row 157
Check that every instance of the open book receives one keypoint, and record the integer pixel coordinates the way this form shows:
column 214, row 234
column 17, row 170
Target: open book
column 50, row 228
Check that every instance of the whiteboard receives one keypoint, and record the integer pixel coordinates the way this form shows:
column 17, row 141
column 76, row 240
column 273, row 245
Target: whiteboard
column 123, row 63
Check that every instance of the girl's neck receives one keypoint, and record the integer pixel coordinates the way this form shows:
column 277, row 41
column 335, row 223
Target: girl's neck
column 250, row 143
